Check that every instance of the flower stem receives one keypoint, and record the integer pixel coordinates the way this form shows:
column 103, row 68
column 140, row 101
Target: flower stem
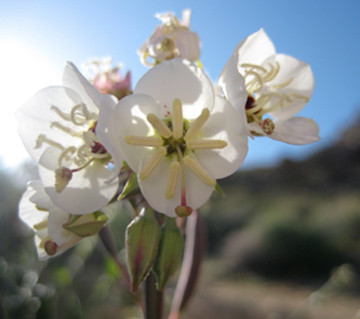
column 153, row 298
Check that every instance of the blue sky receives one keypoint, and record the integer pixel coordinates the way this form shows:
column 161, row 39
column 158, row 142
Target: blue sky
column 324, row 34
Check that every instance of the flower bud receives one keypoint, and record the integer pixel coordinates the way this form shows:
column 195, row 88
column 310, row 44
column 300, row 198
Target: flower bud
column 142, row 242
column 86, row 225
column 170, row 253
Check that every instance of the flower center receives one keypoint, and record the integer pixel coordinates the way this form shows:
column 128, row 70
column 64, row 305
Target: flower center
column 263, row 100
column 81, row 125
column 177, row 140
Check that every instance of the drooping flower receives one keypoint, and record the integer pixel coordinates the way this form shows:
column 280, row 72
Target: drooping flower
column 108, row 79
column 171, row 39
column 55, row 230
column 177, row 135
column 58, row 128
column 278, row 86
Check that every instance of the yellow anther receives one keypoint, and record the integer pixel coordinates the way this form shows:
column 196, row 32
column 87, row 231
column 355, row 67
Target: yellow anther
column 199, row 171
column 197, row 125
column 203, row 144
column 153, row 162
column 151, row 141
column 177, row 121
column 159, row 125
column 173, row 179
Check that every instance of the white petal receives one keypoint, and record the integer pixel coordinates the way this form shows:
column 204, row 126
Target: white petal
column 255, row 49
column 188, row 44
column 106, row 132
column 178, row 78
column 35, row 117
column 73, row 79
column 154, row 187
column 233, row 85
column 34, row 195
column 131, row 113
column 86, row 192
column 226, row 124
column 297, row 130
column 302, row 84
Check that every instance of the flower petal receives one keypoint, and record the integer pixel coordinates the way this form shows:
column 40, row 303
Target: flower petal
column 297, row 130
column 35, row 118
column 302, row 84
column 226, row 124
column 188, row 45
column 89, row 95
column 86, row 192
column 178, row 78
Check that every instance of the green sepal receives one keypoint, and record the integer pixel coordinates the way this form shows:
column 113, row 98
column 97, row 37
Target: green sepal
column 130, row 186
column 170, row 253
column 142, row 243
column 86, row 225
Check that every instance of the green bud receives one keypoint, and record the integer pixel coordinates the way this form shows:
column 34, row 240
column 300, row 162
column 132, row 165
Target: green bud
column 170, row 253
column 130, row 187
column 86, row 225
column 142, row 242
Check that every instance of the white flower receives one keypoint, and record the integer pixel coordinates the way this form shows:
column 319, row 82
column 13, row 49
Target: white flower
column 58, row 128
column 171, row 39
column 38, row 212
column 278, row 86
column 177, row 135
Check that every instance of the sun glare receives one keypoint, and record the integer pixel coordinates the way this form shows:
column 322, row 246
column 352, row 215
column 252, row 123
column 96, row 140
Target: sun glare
column 24, row 71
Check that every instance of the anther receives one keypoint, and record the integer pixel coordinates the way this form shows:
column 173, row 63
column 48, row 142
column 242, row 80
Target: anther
column 197, row 125
column 183, row 211
column 177, row 120
column 151, row 141
column 43, row 139
column 173, row 179
column 203, row 144
column 153, row 162
column 268, row 126
column 199, row 171
column 159, row 125
column 50, row 247
column 63, row 175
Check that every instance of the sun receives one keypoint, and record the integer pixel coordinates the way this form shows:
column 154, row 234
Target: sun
column 24, row 71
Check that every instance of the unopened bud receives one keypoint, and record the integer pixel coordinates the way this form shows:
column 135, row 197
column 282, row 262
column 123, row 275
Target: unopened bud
column 63, row 176
column 50, row 247
column 170, row 253
column 142, row 242
column 86, row 225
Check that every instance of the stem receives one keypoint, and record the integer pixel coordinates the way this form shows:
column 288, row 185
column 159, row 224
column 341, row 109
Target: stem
column 153, row 298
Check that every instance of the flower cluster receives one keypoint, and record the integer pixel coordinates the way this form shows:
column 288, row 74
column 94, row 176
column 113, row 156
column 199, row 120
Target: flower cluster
column 163, row 144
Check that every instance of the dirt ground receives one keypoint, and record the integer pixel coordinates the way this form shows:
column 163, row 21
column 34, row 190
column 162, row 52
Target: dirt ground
column 259, row 300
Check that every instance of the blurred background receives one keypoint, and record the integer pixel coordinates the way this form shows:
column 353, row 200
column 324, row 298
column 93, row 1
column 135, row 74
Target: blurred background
column 283, row 243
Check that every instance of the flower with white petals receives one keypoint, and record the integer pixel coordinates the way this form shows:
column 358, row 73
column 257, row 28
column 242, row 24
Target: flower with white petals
column 177, row 136
column 277, row 87
column 38, row 212
column 58, row 128
column 171, row 39
column 108, row 79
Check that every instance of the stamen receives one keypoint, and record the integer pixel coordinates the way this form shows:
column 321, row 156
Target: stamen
column 50, row 247
column 173, row 179
column 65, row 129
column 151, row 141
column 41, row 225
column 253, row 66
column 205, row 144
column 75, row 117
column 151, row 165
column 199, row 171
column 197, row 125
column 268, row 126
column 63, row 115
column 43, row 139
column 65, row 155
column 159, row 125
column 281, row 85
column 177, row 121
